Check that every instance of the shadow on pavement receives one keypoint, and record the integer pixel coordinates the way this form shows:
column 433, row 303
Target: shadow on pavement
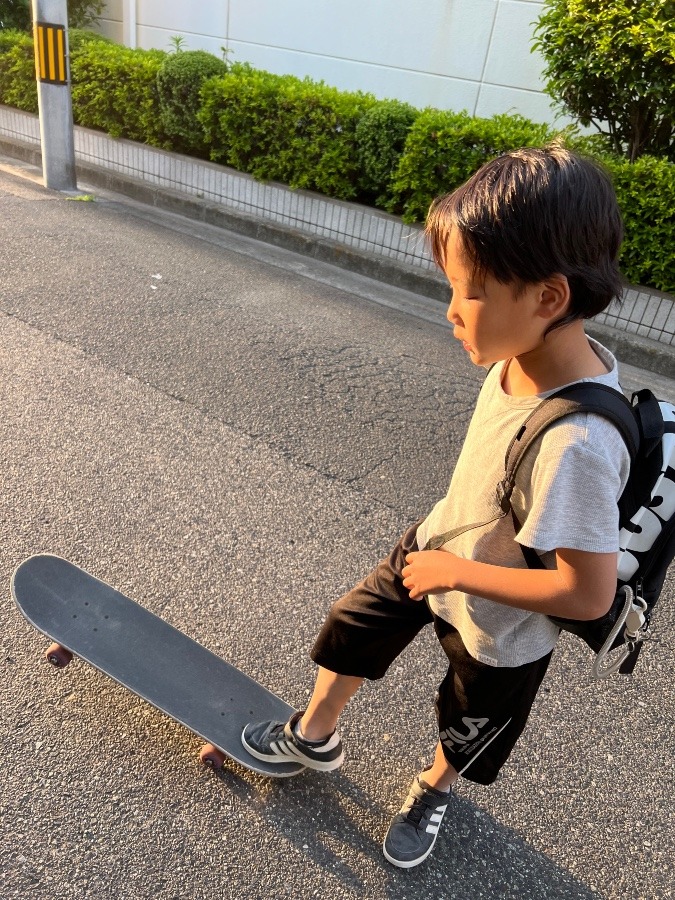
column 475, row 855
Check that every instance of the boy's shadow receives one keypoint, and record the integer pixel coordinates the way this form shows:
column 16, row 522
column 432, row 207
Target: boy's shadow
column 334, row 821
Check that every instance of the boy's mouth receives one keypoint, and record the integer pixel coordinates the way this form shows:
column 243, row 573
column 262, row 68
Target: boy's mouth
column 464, row 344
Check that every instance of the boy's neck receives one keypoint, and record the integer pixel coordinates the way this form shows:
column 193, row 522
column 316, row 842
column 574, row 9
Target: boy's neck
column 563, row 357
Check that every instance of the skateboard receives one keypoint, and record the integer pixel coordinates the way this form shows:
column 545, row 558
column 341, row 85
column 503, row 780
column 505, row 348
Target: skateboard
column 89, row 619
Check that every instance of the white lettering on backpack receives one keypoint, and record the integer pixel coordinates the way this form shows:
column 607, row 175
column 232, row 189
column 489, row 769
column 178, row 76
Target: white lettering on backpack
column 647, row 531
column 664, row 492
column 647, row 523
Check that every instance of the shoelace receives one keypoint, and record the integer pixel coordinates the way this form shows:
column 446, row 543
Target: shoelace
column 417, row 811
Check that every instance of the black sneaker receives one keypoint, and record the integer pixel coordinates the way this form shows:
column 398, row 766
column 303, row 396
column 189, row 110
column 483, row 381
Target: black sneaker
column 413, row 831
column 276, row 742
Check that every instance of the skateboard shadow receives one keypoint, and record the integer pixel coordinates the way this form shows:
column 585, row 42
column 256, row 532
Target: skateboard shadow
column 340, row 827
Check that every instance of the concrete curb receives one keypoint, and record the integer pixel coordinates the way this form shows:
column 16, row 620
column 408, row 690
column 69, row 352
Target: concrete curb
column 630, row 348
column 389, row 271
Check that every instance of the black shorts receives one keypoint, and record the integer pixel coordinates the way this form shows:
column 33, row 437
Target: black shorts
column 481, row 709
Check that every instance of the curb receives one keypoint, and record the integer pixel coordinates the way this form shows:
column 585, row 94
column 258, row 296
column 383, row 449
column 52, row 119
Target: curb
column 631, row 349
column 388, row 271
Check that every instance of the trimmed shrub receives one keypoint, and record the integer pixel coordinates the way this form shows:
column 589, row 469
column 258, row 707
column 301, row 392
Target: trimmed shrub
column 115, row 90
column 9, row 37
column 285, row 129
column 646, row 192
column 179, row 82
column 381, row 134
column 18, row 86
column 236, row 116
column 443, row 149
column 80, row 37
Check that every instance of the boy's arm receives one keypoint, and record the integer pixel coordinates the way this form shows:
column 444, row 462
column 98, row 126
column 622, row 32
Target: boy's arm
column 582, row 586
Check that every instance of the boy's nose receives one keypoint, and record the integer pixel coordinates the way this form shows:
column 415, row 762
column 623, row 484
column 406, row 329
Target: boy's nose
column 451, row 314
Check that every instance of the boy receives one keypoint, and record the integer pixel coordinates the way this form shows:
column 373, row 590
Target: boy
column 529, row 245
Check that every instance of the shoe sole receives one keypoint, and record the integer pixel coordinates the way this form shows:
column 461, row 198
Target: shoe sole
column 317, row 765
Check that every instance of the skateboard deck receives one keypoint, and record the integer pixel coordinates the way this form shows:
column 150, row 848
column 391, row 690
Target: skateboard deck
column 88, row 618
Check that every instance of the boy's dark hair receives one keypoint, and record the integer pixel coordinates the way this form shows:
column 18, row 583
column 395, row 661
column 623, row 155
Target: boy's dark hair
column 533, row 213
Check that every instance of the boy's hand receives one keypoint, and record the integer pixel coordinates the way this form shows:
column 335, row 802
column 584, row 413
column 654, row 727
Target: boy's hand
column 428, row 572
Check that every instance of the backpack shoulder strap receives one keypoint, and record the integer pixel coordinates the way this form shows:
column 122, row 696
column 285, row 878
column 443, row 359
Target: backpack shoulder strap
column 584, row 397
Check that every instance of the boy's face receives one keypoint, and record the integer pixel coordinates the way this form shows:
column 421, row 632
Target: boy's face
column 492, row 320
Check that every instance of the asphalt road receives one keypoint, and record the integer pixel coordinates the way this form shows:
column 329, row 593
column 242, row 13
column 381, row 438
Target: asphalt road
column 233, row 435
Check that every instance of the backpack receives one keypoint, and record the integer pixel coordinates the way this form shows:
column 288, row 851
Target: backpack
column 646, row 513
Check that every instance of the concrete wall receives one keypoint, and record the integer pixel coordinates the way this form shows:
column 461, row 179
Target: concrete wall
column 451, row 54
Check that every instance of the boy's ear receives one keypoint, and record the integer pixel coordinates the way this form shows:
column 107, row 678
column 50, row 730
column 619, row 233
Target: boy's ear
column 554, row 297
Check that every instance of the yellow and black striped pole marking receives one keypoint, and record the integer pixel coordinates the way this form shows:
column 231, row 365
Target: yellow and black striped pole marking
column 50, row 53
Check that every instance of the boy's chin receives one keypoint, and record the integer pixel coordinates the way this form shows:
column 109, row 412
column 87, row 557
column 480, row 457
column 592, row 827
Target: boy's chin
column 476, row 357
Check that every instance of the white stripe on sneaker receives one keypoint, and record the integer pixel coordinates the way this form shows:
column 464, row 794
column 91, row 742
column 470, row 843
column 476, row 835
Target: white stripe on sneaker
column 293, row 751
column 279, row 749
column 272, row 742
column 435, row 819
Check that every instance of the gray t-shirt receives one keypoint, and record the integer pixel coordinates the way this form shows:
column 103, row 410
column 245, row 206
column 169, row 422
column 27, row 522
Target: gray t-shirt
column 566, row 495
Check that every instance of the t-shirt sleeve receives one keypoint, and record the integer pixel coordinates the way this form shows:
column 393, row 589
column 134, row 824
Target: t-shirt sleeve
column 576, row 476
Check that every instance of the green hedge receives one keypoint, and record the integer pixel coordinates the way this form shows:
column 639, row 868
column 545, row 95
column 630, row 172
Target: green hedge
column 308, row 135
column 443, row 149
column 282, row 128
column 79, row 37
column 114, row 89
column 646, row 193
column 179, row 82
column 381, row 135
column 18, row 87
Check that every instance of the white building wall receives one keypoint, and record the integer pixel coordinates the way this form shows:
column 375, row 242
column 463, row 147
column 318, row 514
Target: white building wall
column 451, row 54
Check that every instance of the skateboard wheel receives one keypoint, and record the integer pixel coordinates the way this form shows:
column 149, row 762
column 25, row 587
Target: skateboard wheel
column 212, row 757
column 58, row 656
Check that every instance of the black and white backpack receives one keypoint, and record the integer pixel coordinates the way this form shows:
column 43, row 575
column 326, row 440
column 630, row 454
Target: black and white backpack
column 646, row 513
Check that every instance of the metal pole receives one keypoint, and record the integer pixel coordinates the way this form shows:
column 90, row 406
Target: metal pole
column 52, row 64
column 130, row 16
